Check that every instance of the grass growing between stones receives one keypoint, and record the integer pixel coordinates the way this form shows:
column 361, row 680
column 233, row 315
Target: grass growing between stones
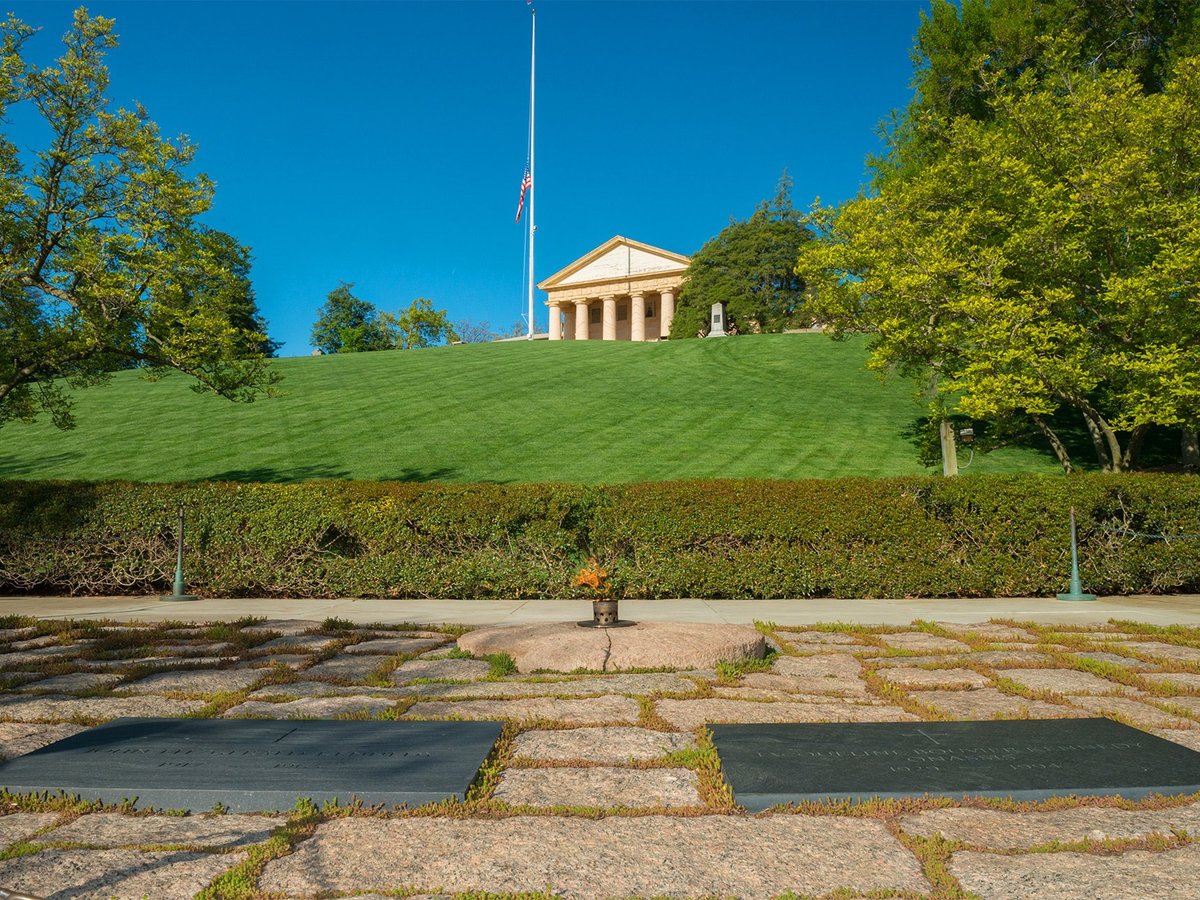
column 241, row 881
column 933, row 856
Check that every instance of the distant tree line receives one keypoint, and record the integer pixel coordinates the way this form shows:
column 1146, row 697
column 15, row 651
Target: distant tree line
column 349, row 324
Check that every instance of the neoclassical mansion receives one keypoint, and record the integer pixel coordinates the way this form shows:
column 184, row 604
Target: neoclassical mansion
column 621, row 291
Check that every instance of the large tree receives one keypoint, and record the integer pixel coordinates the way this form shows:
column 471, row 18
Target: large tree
column 749, row 267
column 1046, row 258
column 347, row 324
column 235, row 292
column 101, row 256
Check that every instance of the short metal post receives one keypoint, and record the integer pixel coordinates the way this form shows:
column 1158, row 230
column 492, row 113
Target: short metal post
column 1076, row 591
column 179, row 595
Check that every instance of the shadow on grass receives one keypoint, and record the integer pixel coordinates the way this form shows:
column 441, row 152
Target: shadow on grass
column 19, row 466
column 280, row 475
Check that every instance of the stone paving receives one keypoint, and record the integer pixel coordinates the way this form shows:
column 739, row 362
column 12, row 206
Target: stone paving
column 604, row 783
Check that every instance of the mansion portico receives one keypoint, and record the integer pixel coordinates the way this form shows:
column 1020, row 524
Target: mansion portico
column 621, row 291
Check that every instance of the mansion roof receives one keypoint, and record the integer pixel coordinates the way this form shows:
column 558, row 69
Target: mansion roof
column 618, row 259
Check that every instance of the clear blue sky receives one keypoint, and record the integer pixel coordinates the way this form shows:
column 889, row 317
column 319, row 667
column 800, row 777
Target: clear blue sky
column 383, row 143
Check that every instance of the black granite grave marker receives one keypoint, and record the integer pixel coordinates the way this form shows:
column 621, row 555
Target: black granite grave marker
column 254, row 765
column 1025, row 760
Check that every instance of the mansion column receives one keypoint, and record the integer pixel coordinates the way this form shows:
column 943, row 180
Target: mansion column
column 568, row 328
column 581, row 320
column 555, row 321
column 610, row 318
column 637, row 317
column 667, row 313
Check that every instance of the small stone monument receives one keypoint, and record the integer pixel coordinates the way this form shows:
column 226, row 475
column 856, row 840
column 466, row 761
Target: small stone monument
column 717, row 321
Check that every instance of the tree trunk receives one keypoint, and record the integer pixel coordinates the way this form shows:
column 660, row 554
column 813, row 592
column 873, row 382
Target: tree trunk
column 1102, row 453
column 1189, row 449
column 1056, row 445
column 1133, row 447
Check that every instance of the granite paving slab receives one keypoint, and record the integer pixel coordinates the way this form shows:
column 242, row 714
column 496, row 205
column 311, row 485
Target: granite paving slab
column 117, row 830
column 352, row 668
column 1158, row 650
column 311, row 708
column 285, row 627
column 56, row 708
column 1187, row 737
column 921, row 641
column 46, row 640
column 39, row 657
column 909, row 677
column 1003, row 659
column 999, row 830
column 449, row 669
column 291, row 660
column 393, row 646
column 75, row 682
column 193, row 681
column 1140, row 714
column 841, row 687
column 823, row 666
column 599, row 786
column 819, row 637
column 326, row 689
column 19, row 826
column 614, row 744
column 105, row 874
column 1129, row 662
column 16, row 634
column 592, row 710
column 311, row 643
column 756, row 693
column 991, row 632
column 219, row 648
column 1138, row 874
column 1066, row 681
column 19, row 738
column 650, row 856
column 688, row 714
column 1191, row 704
column 1188, row 681
column 989, row 703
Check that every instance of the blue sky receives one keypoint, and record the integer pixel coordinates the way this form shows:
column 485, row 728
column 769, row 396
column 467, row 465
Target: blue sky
column 383, row 143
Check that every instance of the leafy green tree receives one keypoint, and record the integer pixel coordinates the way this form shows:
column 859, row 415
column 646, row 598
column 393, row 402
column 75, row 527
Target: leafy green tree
column 1046, row 259
column 346, row 324
column 236, row 291
column 749, row 267
column 968, row 49
column 102, row 252
column 420, row 325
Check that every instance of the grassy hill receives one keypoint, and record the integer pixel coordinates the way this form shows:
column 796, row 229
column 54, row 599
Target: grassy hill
column 774, row 406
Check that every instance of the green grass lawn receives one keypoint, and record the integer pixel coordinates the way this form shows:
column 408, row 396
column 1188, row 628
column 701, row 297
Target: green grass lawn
column 770, row 406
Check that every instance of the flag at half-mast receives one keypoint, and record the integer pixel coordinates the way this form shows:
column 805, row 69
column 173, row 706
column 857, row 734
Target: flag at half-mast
column 526, row 184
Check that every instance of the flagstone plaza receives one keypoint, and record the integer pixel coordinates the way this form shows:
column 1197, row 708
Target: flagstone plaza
column 602, row 783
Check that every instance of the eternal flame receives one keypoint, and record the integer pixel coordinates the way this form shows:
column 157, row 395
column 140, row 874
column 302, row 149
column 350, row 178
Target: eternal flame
column 621, row 291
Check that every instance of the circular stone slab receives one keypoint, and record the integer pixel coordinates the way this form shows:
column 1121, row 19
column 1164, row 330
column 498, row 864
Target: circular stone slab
column 565, row 647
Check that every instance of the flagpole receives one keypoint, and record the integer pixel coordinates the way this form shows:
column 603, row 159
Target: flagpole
column 532, row 185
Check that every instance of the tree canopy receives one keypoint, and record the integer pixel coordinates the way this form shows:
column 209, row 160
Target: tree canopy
column 1047, row 257
column 420, row 325
column 104, row 263
column 346, row 324
column 750, row 267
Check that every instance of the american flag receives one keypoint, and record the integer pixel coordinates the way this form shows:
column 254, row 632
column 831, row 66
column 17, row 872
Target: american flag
column 526, row 184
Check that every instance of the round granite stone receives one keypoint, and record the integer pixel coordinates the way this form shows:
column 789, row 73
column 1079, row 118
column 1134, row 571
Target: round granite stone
column 566, row 647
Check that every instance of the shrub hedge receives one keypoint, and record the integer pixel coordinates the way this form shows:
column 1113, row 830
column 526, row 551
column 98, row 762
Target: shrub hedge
column 899, row 537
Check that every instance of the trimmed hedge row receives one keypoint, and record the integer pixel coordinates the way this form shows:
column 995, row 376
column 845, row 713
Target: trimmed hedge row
column 900, row 537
